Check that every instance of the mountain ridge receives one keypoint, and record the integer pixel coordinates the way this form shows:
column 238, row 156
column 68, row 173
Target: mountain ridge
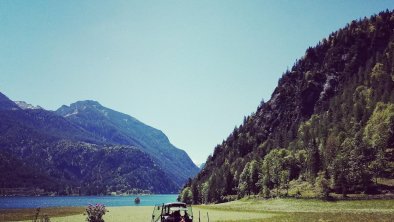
column 25, row 105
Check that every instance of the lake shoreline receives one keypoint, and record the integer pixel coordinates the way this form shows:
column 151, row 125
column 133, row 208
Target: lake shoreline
column 83, row 201
column 75, row 195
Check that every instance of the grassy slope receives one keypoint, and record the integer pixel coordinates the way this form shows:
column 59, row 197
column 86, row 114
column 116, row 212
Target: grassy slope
column 275, row 210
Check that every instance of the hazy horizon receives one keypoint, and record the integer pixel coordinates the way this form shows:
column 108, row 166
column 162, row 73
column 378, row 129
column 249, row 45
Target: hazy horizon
column 192, row 69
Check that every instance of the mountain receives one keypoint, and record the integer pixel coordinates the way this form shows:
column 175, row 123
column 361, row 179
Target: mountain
column 328, row 127
column 118, row 128
column 7, row 104
column 42, row 122
column 42, row 152
column 25, row 105
column 66, row 167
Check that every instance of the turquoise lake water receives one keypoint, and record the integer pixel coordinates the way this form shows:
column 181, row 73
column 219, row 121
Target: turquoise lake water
column 73, row 201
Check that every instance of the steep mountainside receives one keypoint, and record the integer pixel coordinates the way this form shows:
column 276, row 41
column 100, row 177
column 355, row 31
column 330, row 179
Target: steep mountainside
column 118, row 128
column 7, row 104
column 42, row 152
column 328, row 127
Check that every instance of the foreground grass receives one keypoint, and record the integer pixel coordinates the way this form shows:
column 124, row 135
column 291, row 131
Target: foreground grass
column 115, row 214
column 28, row 214
column 275, row 210
column 299, row 210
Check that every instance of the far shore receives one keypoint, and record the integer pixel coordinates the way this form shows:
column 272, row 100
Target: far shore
column 99, row 195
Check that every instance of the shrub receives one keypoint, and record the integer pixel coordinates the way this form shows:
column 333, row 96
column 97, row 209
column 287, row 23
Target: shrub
column 38, row 218
column 301, row 189
column 322, row 186
column 95, row 213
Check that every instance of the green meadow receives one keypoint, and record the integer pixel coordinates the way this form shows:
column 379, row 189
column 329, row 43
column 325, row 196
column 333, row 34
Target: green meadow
column 273, row 210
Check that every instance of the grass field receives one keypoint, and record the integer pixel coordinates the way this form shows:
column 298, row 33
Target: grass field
column 275, row 210
column 294, row 210
column 28, row 214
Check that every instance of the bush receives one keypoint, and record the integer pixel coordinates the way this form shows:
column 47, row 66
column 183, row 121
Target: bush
column 38, row 218
column 301, row 189
column 95, row 213
column 322, row 186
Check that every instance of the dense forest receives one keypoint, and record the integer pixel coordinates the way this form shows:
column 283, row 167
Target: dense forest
column 327, row 129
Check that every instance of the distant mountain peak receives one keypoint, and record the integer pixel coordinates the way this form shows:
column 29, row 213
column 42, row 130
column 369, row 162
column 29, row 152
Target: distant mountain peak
column 84, row 104
column 24, row 105
column 76, row 107
column 87, row 103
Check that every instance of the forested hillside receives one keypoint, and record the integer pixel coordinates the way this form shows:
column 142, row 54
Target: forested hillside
column 328, row 127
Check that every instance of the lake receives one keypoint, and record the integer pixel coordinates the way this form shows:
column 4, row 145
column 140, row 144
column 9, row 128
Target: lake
column 74, row 201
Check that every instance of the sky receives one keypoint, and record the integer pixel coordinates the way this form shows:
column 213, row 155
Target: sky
column 192, row 69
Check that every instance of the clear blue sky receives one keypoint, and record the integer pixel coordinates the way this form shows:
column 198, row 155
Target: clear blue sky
column 190, row 68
